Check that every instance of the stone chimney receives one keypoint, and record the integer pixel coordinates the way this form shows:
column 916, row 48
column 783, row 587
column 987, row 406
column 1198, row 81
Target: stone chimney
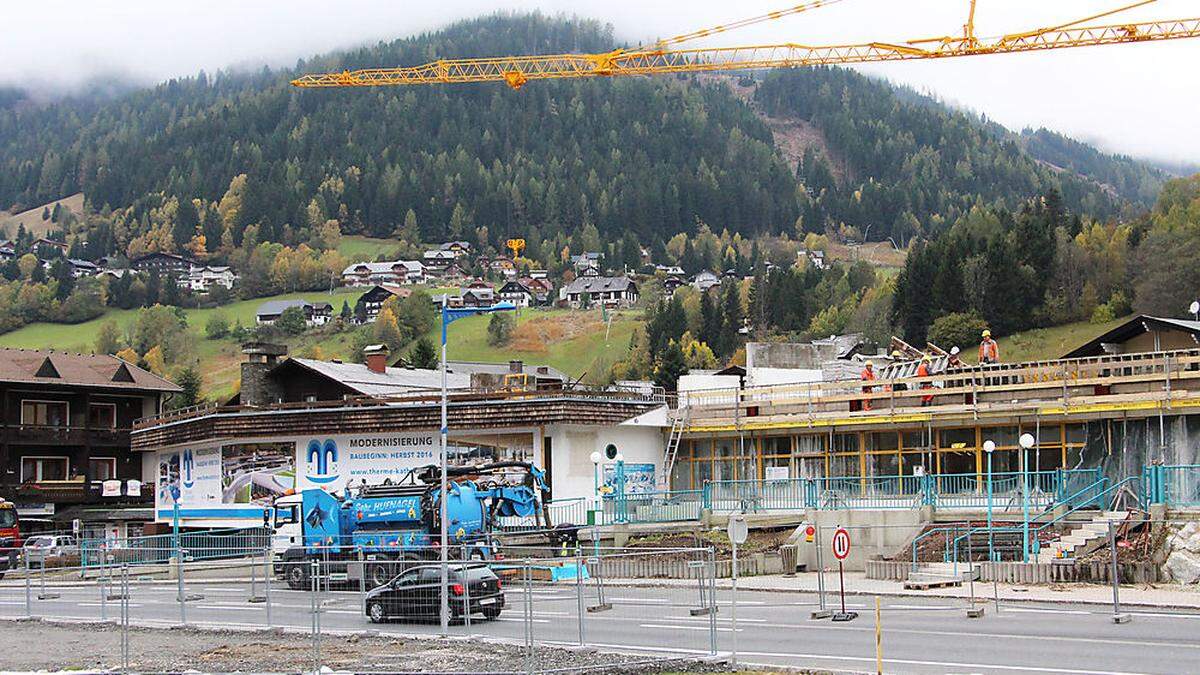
column 261, row 357
column 375, row 357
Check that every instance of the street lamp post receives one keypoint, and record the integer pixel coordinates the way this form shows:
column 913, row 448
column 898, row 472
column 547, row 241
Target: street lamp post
column 449, row 316
column 1027, row 442
column 989, row 447
column 619, row 486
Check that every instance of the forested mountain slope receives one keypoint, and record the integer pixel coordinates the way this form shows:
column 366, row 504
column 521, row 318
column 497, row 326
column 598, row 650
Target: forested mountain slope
column 648, row 156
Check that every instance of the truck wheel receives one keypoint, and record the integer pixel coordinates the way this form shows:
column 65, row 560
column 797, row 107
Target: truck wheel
column 297, row 577
column 379, row 574
column 376, row 613
column 490, row 613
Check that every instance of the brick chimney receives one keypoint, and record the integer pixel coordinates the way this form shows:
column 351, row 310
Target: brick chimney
column 375, row 357
column 261, row 357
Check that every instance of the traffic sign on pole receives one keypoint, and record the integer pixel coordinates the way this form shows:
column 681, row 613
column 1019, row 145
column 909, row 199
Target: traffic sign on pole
column 841, row 549
column 841, row 543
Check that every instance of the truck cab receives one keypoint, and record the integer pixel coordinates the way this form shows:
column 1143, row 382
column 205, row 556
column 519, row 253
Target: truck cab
column 10, row 536
column 286, row 529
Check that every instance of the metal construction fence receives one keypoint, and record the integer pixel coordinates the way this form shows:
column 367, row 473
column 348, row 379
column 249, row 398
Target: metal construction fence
column 525, row 609
column 159, row 548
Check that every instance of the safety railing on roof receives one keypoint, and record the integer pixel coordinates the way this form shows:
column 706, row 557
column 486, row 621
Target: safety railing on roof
column 610, row 393
column 1038, row 382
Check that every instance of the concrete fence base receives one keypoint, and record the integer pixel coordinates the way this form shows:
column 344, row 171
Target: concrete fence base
column 665, row 567
column 1086, row 572
column 1031, row 573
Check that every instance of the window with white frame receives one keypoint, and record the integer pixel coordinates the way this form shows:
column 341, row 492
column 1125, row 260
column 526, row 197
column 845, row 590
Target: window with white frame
column 40, row 469
column 45, row 413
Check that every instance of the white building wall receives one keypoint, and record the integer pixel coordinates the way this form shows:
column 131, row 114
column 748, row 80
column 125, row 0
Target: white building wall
column 573, row 474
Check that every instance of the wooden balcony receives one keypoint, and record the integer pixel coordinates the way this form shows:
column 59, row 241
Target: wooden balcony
column 1134, row 384
column 76, row 491
column 33, row 434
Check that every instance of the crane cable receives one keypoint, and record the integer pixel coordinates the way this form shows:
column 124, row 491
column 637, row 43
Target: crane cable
column 769, row 16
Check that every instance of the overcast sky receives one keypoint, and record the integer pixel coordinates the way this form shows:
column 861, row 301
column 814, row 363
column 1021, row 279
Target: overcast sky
column 1138, row 99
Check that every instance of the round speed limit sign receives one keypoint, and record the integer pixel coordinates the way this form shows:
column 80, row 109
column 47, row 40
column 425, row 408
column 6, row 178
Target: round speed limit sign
column 841, row 544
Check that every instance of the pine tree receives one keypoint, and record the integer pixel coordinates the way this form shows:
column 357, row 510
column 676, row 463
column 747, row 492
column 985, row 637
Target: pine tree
column 423, row 355
column 191, row 382
column 671, row 366
column 710, row 319
column 731, row 322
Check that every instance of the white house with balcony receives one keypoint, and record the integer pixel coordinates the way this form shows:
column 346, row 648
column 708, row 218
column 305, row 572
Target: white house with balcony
column 395, row 273
column 202, row 278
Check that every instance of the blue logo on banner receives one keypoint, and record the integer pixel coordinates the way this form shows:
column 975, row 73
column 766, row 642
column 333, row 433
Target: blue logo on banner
column 188, row 465
column 322, row 461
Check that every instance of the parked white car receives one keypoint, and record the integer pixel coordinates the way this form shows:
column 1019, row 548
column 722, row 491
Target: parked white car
column 50, row 547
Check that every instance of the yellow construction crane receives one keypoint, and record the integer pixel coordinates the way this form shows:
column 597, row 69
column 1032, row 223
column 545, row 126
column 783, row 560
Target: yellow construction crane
column 664, row 57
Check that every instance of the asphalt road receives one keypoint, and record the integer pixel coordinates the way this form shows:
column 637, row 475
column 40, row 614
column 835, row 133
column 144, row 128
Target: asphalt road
column 919, row 635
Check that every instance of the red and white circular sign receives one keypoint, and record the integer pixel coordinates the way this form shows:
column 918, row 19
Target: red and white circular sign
column 841, row 544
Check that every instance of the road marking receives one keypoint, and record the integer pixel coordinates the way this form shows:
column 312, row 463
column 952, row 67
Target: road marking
column 1165, row 615
column 705, row 619
column 510, row 620
column 655, row 601
column 1034, row 610
column 669, row 627
column 110, row 603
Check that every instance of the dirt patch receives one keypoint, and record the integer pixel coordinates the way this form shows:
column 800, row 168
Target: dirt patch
column 879, row 253
column 792, row 135
column 32, row 218
column 97, row 646
column 758, row 541
column 538, row 333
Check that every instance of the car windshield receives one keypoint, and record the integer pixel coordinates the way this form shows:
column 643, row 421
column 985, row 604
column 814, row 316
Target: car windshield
column 39, row 542
column 8, row 517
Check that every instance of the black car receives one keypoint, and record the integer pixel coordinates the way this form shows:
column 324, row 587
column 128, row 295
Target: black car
column 415, row 593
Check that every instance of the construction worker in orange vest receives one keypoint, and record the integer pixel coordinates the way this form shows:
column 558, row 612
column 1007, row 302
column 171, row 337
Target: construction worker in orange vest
column 923, row 371
column 989, row 351
column 868, row 373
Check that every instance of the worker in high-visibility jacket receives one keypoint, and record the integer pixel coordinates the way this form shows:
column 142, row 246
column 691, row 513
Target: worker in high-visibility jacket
column 868, row 373
column 923, row 371
column 989, row 351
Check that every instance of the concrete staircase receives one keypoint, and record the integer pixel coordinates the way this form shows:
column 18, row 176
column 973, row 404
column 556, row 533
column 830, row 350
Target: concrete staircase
column 937, row 575
column 1082, row 540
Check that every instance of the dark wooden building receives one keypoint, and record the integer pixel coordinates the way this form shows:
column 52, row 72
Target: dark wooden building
column 64, row 437
column 165, row 264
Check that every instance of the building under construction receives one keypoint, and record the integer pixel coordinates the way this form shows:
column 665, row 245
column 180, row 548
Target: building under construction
column 1123, row 401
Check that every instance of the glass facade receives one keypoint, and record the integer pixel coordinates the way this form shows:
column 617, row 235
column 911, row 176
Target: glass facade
column 880, row 453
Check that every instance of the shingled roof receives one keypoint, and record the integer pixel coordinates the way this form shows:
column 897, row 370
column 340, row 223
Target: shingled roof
column 83, row 370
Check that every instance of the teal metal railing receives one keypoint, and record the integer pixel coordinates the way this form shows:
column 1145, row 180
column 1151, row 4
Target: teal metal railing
column 1100, row 500
column 1176, row 485
column 159, row 548
column 967, row 490
column 654, row 507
